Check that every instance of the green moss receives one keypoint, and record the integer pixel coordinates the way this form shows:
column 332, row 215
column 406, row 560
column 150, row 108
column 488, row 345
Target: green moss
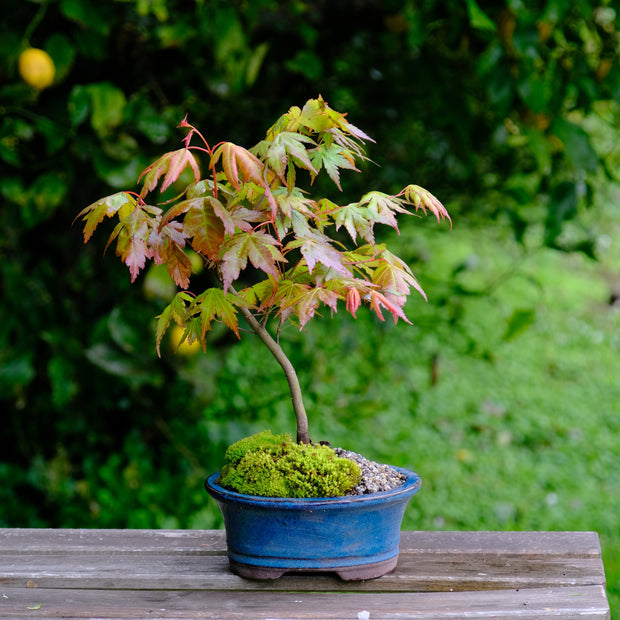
column 275, row 466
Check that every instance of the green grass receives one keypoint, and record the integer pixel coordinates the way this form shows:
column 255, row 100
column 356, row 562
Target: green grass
column 517, row 427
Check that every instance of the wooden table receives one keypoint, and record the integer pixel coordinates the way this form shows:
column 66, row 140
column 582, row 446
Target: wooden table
column 184, row 574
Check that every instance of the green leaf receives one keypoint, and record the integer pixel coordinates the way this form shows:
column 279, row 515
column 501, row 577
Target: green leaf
column 286, row 144
column 317, row 248
column 577, row 146
column 562, row 207
column 381, row 208
column 307, row 63
column 215, row 303
column 478, row 18
column 176, row 310
column 94, row 214
column 355, row 219
column 107, row 104
column 332, row 158
column 520, row 320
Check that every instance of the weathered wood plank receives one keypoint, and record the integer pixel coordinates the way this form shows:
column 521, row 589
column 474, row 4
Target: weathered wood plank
column 575, row 544
column 189, row 559
column 566, row 603
column 112, row 540
column 176, row 571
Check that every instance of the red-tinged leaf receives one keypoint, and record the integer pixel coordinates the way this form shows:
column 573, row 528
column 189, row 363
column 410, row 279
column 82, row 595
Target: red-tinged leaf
column 204, row 228
column 257, row 246
column 316, row 248
column 394, row 278
column 354, row 301
column 310, row 302
column 166, row 246
column 377, row 301
column 215, row 303
column 239, row 163
column 132, row 234
column 170, row 165
column 355, row 219
column 239, row 218
column 162, row 238
column 393, row 274
column 95, row 213
column 382, row 207
column 287, row 295
column 423, row 200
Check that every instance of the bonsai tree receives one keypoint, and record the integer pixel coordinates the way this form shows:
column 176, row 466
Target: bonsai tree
column 276, row 251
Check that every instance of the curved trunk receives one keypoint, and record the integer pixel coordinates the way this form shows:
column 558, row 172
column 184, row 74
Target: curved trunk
column 289, row 371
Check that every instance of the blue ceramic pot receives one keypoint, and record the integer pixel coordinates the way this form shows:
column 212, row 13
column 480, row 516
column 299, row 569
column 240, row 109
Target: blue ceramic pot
column 355, row 536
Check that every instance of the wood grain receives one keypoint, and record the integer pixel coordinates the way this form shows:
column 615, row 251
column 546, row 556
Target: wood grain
column 184, row 574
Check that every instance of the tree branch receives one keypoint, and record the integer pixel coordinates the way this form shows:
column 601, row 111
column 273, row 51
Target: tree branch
column 289, row 371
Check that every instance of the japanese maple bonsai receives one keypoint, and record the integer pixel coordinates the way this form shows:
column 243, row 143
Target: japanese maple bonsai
column 278, row 257
column 248, row 212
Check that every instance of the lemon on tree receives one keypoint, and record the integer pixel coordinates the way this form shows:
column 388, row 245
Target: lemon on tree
column 184, row 347
column 36, row 68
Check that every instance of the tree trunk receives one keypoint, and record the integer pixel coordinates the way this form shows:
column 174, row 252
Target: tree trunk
column 289, row 371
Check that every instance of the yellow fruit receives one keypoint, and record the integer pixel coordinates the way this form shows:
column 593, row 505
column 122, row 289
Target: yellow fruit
column 184, row 348
column 36, row 68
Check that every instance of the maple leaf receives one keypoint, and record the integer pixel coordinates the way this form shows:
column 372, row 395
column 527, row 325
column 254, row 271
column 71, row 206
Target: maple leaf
column 166, row 246
column 394, row 277
column 238, row 162
column 382, row 207
column 171, row 165
column 176, row 310
column 287, row 295
column 309, row 303
column 239, row 218
column 354, row 301
column 423, row 200
column 378, row 300
column 317, row 248
column 286, row 144
column 204, row 228
column 262, row 291
column 132, row 234
column 215, row 303
column 332, row 157
column 257, row 246
column 355, row 219
column 95, row 213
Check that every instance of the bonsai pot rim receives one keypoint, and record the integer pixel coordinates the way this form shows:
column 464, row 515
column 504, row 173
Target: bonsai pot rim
column 355, row 536
column 409, row 487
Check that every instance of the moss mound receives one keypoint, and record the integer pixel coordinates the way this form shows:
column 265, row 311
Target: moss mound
column 275, row 466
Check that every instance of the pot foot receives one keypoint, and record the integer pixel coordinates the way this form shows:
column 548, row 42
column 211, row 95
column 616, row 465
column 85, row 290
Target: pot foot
column 360, row 572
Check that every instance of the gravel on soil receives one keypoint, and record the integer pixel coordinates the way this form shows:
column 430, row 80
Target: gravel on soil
column 375, row 476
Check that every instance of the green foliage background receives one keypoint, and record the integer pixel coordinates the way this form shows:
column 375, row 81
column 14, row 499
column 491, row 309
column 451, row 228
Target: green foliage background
column 504, row 396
